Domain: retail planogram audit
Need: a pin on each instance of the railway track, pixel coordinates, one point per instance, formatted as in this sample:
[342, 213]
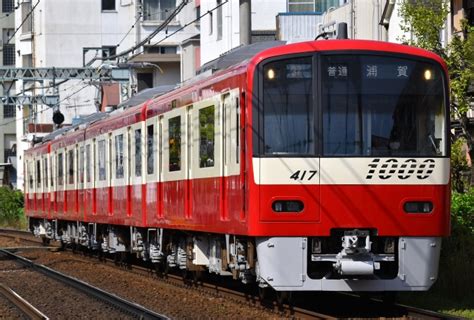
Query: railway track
[302, 308]
[130, 308]
[24, 306]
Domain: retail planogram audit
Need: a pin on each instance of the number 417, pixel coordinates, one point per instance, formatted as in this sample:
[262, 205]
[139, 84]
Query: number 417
[301, 174]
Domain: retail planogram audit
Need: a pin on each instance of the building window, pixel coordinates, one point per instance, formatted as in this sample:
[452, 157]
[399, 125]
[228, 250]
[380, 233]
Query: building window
[8, 153]
[9, 111]
[174, 143]
[108, 5]
[219, 20]
[311, 5]
[8, 54]
[108, 51]
[8, 6]
[161, 49]
[206, 137]
[145, 80]
[158, 9]
[26, 17]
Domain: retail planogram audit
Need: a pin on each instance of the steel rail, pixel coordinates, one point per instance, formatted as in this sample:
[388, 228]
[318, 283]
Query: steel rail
[122, 304]
[27, 308]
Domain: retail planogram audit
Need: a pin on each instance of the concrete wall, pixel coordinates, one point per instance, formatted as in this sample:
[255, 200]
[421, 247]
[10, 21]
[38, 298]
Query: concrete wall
[264, 14]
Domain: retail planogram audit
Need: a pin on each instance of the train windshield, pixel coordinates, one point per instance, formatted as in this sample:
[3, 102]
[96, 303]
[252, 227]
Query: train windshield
[371, 105]
[382, 106]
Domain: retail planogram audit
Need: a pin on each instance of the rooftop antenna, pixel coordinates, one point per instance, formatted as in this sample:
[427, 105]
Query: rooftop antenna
[342, 30]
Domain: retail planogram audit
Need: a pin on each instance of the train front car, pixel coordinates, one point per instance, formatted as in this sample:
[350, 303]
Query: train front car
[350, 166]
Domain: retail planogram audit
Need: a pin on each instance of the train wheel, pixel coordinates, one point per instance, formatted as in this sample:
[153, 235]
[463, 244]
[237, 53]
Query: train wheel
[283, 297]
[187, 277]
[160, 269]
[263, 293]
[197, 276]
[45, 241]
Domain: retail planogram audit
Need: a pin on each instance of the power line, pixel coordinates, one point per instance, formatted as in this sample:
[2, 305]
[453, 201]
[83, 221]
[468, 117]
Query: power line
[24, 20]
[45, 109]
[185, 26]
[165, 23]
[131, 28]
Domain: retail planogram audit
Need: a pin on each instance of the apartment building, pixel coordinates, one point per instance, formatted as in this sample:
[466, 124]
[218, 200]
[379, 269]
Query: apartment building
[70, 33]
[8, 111]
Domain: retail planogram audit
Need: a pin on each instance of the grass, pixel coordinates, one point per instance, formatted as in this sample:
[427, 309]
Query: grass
[433, 300]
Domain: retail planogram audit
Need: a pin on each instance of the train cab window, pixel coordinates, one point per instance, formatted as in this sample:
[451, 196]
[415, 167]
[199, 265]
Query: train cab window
[60, 170]
[390, 106]
[119, 157]
[70, 167]
[101, 160]
[288, 115]
[81, 164]
[206, 137]
[174, 143]
[38, 173]
[88, 163]
[138, 152]
[150, 143]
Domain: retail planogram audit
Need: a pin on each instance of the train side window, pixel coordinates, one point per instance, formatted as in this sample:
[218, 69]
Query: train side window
[150, 142]
[60, 170]
[88, 163]
[51, 176]
[81, 164]
[119, 169]
[206, 137]
[45, 168]
[237, 131]
[38, 174]
[101, 156]
[70, 166]
[174, 143]
[138, 152]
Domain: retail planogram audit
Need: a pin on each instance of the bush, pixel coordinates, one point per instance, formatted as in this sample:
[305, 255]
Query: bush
[11, 207]
[456, 277]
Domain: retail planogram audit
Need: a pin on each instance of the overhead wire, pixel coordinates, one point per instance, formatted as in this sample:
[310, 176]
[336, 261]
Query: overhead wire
[162, 26]
[185, 26]
[24, 20]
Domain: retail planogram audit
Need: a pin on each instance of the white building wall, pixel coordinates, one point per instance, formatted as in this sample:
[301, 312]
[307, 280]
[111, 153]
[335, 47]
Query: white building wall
[264, 14]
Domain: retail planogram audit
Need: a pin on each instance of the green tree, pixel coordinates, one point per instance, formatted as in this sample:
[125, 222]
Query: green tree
[11, 206]
[425, 20]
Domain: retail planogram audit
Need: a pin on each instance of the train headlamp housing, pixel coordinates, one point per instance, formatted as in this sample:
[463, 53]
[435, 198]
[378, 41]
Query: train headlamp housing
[287, 206]
[418, 207]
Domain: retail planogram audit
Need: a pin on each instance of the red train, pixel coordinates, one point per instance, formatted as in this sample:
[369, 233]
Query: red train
[312, 166]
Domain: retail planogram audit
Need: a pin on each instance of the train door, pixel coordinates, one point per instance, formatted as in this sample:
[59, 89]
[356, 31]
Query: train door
[232, 196]
[119, 173]
[81, 193]
[137, 175]
[38, 185]
[150, 169]
[286, 162]
[207, 169]
[175, 186]
[89, 198]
